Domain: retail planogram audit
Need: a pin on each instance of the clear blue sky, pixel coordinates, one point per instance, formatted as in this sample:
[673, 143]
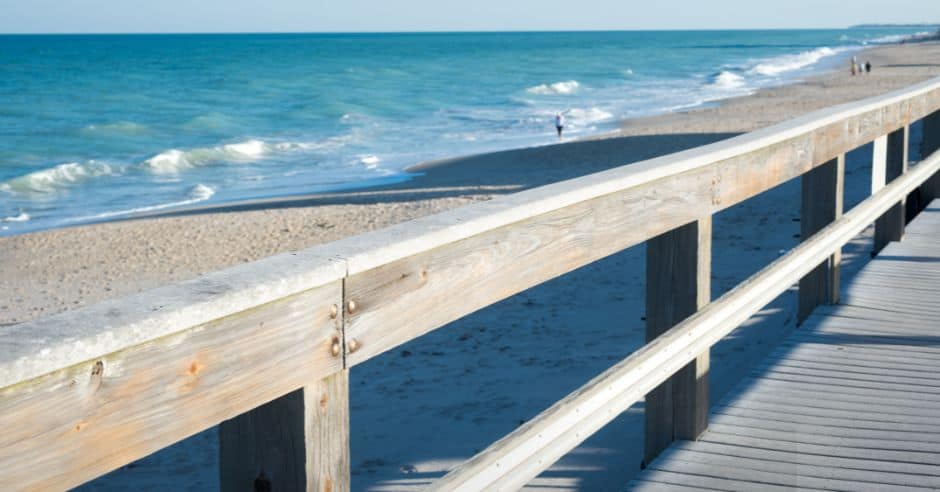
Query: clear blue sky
[19, 16]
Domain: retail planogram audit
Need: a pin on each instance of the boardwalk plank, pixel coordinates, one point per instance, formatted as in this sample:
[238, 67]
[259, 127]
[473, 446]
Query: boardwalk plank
[686, 463]
[849, 401]
[810, 459]
[812, 475]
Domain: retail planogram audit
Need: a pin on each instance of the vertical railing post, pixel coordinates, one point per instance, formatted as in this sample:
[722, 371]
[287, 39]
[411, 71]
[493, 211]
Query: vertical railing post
[918, 199]
[930, 143]
[678, 283]
[890, 226]
[822, 198]
[297, 442]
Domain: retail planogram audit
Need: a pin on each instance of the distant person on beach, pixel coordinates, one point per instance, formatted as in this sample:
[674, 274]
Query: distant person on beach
[559, 123]
[867, 66]
[854, 65]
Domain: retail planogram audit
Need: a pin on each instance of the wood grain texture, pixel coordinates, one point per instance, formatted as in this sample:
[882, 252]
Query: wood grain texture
[848, 402]
[517, 458]
[327, 434]
[879, 163]
[890, 226]
[675, 189]
[94, 381]
[297, 442]
[822, 198]
[930, 142]
[417, 277]
[76, 424]
[678, 283]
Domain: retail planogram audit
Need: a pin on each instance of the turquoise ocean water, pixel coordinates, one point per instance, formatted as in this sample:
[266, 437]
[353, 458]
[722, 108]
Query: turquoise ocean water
[100, 127]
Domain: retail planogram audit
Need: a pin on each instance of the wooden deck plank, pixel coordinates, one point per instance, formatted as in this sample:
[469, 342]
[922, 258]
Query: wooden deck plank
[911, 449]
[857, 351]
[835, 419]
[828, 450]
[647, 486]
[772, 455]
[873, 414]
[828, 429]
[808, 475]
[707, 482]
[847, 402]
[686, 462]
[869, 313]
[828, 399]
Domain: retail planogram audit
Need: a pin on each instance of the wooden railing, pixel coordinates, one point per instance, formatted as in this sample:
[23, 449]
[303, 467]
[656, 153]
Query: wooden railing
[264, 349]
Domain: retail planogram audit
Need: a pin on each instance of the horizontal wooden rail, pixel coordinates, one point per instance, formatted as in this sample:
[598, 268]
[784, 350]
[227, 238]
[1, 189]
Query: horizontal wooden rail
[92, 389]
[519, 457]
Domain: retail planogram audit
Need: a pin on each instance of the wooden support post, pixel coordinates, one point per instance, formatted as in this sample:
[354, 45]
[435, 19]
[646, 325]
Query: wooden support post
[929, 144]
[822, 199]
[297, 442]
[678, 283]
[890, 226]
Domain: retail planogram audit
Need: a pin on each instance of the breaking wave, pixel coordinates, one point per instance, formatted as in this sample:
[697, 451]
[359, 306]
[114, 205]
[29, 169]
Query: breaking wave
[899, 38]
[370, 161]
[727, 80]
[587, 116]
[174, 160]
[558, 88]
[788, 63]
[22, 217]
[55, 178]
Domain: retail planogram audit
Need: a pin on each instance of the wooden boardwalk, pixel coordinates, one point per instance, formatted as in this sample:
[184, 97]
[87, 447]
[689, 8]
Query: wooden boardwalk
[850, 401]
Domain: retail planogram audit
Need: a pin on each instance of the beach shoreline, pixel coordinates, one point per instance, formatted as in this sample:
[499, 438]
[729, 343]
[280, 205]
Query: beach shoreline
[553, 343]
[52, 197]
[429, 175]
[43, 279]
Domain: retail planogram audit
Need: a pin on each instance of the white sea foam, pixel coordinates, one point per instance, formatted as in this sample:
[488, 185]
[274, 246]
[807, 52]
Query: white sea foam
[788, 63]
[201, 192]
[370, 161]
[558, 88]
[250, 148]
[727, 80]
[198, 193]
[587, 116]
[21, 217]
[54, 178]
[175, 160]
[898, 38]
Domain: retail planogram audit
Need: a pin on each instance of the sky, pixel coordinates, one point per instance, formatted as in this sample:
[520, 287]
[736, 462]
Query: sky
[131, 16]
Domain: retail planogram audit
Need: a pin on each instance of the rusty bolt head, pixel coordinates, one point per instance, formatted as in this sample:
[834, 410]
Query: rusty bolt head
[351, 307]
[336, 348]
[334, 311]
[354, 345]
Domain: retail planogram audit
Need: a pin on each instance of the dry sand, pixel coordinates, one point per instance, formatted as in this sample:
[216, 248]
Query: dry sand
[424, 407]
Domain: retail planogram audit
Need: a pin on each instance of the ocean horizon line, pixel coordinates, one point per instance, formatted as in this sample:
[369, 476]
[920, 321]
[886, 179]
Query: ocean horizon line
[211, 118]
[468, 31]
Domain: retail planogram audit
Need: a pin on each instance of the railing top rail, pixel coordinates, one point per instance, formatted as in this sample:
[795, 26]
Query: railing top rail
[39, 347]
[514, 460]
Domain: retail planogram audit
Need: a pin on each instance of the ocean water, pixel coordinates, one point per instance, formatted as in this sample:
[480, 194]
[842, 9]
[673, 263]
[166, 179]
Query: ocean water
[101, 127]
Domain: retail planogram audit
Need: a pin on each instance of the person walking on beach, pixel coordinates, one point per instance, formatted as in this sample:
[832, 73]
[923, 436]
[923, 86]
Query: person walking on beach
[559, 123]
[854, 65]
[867, 66]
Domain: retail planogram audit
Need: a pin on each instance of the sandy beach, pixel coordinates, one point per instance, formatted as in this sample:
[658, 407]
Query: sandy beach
[425, 407]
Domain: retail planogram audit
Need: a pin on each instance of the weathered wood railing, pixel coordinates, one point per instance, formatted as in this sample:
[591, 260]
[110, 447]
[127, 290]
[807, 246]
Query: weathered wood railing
[264, 349]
